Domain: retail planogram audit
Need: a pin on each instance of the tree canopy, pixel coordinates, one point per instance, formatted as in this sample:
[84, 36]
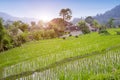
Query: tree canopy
[66, 14]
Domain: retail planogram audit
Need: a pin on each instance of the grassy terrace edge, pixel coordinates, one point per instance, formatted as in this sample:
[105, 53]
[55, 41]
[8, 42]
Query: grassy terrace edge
[58, 63]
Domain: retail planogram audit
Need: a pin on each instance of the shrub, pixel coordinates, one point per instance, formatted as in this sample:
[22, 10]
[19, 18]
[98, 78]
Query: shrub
[64, 38]
[118, 32]
[70, 35]
[17, 41]
[76, 36]
[37, 35]
[104, 31]
[52, 33]
[7, 42]
[118, 26]
[84, 28]
[24, 37]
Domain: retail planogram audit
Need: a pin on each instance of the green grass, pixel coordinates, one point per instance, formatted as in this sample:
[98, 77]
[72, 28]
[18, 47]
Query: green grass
[99, 67]
[35, 55]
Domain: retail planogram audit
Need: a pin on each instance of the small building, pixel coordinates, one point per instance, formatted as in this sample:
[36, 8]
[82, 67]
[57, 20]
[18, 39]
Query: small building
[73, 30]
[92, 28]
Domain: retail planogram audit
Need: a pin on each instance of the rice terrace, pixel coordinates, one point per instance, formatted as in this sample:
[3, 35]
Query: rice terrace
[60, 46]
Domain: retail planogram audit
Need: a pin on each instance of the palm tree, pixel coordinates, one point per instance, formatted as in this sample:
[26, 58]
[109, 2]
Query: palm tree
[66, 14]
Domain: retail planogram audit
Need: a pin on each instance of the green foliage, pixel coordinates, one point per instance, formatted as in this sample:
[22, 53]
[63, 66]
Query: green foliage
[118, 32]
[98, 55]
[44, 34]
[13, 30]
[118, 26]
[37, 35]
[102, 27]
[24, 37]
[33, 24]
[58, 24]
[17, 23]
[66, 14]
[104, 32]
[16, 36]
[89, 19]
[23, 27]
[18, 40]
[95, 24]
[110, 23]
[76, 36]
[40, 24]
[84, 27]
[52, 33]
[5, 40]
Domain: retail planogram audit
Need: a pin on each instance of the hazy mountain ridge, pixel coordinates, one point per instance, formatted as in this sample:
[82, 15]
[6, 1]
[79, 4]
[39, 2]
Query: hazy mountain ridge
[104, 18]
[113, 13]
[101, 18]
[7, 17]
[76, 20]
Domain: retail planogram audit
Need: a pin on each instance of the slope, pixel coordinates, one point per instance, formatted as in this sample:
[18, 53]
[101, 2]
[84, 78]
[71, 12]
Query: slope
[113, 13]
[35, 55]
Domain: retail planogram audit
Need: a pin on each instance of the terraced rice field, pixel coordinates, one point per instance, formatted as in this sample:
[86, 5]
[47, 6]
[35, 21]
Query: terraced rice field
[89, 56]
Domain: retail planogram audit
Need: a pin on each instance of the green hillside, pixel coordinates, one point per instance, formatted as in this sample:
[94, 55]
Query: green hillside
[91, 56]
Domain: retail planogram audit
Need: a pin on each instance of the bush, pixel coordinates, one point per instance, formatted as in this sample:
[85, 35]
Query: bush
[7, 43]
[118, 26]
[52, 33]
[64, 38]
[24, 37]
[70, 35]
[17, 41]
[118, 32]
[5, 40]
[104, 31]
[37, 35]
[76, 36]
[84, 28]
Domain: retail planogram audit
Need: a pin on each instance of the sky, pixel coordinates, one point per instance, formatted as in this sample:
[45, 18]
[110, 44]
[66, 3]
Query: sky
[48, 9]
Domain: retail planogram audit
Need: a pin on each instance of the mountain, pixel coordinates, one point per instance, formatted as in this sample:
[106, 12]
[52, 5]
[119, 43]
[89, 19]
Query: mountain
[7, 17]
[113, 13]
[76, 20]
[104, 18]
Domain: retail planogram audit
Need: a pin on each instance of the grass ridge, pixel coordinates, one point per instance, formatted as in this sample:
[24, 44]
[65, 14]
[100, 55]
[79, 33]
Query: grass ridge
[66, 60]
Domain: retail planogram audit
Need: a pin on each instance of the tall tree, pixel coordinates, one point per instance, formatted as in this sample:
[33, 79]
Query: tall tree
[110, 23]
[95, 24]
[84, 28]
[89, 19]
[2, 33]
[40, 24]
[58, 24]
[4, 37]
[17, 23]
[66, 14]
[33, 24]
[23, 27]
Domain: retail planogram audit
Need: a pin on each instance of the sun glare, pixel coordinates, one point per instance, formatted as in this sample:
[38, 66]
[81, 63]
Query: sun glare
[45, 18]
